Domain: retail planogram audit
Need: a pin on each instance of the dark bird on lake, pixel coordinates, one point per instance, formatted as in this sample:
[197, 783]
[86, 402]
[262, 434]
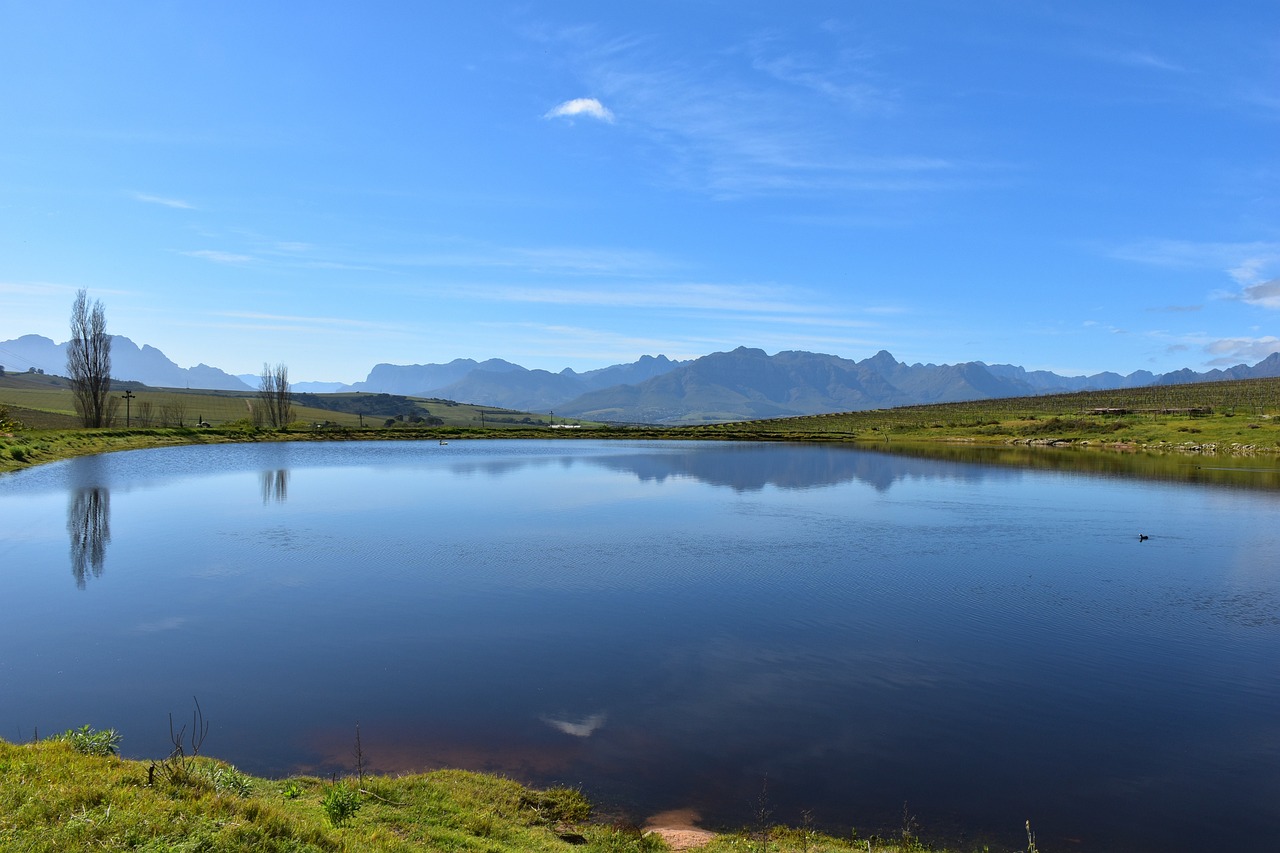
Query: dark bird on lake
[1142, 537]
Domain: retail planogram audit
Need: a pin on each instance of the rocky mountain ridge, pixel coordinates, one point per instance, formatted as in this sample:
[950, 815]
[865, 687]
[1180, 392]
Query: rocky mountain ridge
[745, 383]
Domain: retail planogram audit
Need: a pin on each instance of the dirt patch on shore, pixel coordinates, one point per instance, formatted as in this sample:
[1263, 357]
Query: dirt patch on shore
[677, 828]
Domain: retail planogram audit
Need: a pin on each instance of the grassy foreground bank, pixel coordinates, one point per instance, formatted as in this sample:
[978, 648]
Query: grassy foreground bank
[55, 797]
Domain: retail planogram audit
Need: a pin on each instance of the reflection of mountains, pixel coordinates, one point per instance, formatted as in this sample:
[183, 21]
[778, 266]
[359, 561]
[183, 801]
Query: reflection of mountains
[748, 467]
[89, 526]
[741, 466]
[751, 467]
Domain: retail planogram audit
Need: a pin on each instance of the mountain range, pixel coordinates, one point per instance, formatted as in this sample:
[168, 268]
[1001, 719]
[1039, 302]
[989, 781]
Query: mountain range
[144, 364]
[742, 384]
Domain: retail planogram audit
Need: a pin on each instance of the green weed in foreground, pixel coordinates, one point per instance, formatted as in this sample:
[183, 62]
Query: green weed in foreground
[341, 804]
[88, 741]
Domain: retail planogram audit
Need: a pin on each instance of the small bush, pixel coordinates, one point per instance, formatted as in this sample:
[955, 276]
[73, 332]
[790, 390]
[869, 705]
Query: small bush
[88, 741]
[341, 804]
[241, 425]
[228, 780]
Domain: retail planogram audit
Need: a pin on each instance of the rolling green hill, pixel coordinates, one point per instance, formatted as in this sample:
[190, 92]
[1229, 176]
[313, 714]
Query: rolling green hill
[1240, 413]
[44, 402]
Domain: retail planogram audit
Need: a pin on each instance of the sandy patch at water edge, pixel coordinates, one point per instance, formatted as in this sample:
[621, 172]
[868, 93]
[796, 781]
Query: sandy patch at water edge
[676, 827]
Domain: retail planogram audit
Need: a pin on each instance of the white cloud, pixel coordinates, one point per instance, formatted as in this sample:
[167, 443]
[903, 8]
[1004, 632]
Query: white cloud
[765, 118]
[167, 202]
[35, 288]
[581, 107]
[1231, 351]
[1266, 294]
[219, 257]
[1242, 261]
[1246, 263]
[316, 322]
[718, 298]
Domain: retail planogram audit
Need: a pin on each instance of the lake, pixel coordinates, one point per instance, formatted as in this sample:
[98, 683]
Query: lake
[673, 625]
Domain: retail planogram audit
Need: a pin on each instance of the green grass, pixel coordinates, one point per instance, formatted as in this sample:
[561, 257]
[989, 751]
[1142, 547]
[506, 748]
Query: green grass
[55, 798]
[1225, 417]
[45, 402]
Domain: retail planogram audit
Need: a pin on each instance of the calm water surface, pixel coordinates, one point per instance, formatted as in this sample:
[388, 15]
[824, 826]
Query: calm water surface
[669, 624]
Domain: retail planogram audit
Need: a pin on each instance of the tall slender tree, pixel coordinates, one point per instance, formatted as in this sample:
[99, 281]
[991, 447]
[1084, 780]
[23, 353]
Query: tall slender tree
[275, 395]
[89, 361]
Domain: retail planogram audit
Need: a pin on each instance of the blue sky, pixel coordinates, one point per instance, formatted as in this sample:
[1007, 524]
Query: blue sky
[1071, 186]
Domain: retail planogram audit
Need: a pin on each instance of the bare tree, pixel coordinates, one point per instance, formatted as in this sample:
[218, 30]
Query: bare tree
[89, 361]
[273, 391]
[173, 412]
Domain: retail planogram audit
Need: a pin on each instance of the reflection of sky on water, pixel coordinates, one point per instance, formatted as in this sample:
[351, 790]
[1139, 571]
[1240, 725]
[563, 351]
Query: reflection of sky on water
[667, 623]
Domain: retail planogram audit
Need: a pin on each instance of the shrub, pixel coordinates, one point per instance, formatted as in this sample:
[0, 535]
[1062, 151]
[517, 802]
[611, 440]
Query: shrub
[87, 741]
[228, 780]
[341, 804]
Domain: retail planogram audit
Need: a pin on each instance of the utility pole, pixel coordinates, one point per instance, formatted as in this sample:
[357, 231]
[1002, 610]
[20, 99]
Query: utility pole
[128, 398]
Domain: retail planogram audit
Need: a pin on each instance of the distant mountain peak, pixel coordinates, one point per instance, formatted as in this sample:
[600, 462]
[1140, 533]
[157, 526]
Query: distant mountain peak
[129, 363]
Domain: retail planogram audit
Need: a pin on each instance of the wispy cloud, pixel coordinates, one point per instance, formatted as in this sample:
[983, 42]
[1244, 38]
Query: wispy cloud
[544, 260]
[1248, 264]
[1232, 257]
[585, 260]
[166, 202]
[1266, 294]
[1231, 351]
[303, 323]
[720, 298]
[219, 257]
[1134, 58]
[845, 79]
[765, 118]
[35, 288]
[1223, 351]
[589, 107]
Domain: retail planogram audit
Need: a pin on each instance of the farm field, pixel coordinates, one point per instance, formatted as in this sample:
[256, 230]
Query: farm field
[1215, 416]
[45, 402]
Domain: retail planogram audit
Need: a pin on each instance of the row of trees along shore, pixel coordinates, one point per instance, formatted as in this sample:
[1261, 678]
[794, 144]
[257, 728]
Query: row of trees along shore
[89, 371]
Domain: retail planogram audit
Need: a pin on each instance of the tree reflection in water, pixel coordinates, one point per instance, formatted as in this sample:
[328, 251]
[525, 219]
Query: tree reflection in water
[275, 486]
[89, 525]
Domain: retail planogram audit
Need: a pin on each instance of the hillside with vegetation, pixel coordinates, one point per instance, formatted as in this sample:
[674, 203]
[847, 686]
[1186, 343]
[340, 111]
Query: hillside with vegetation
[1230, 416]
[45, 401]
